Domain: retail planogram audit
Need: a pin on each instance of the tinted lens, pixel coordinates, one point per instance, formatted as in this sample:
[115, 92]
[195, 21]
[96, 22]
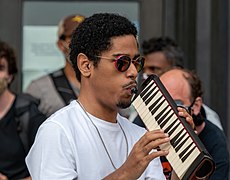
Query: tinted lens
[122, 63]
[139, 63]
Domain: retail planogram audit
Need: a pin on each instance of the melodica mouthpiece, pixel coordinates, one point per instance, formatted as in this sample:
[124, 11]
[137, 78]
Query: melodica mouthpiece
[134, 90]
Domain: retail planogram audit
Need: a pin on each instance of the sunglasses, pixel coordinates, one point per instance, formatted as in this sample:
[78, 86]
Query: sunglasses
[122, 62]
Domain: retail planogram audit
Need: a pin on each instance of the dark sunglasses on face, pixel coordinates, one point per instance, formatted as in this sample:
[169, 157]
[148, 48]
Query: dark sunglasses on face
[122, 62]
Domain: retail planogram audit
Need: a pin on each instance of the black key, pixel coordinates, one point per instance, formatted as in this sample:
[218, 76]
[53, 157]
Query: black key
[163, 118]
[170, 132]
[162, 125]
[154, 103]
[181, 144]
[162, 111]
[153, 111]
[142, 94]
[188, 153]
[171, 125]
[173, 140]
[151, 96]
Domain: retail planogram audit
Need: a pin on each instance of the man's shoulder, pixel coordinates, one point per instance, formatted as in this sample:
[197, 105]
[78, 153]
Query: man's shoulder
[210, 112]
[212, 133]
[24, 100]
[25, 103]
[57, 73]
[67, 120]
[47, 79]
[213, 128]
[64, 113]
[39, 82]
[28, 118]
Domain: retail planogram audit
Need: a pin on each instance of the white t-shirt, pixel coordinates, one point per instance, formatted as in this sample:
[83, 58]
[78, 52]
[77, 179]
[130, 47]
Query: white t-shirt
[68, 146]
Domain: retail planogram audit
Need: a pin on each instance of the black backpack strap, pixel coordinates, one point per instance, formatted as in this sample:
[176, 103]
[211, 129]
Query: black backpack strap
[22, 117]
[63, 86]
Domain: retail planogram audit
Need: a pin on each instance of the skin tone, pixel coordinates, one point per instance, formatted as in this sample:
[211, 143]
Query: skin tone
[6, 99]
[2, 177]
[156, 63]
[116, 87]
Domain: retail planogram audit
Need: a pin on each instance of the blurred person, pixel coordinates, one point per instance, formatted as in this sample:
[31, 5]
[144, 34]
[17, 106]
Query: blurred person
[161, 54]
[88, 139]
[185, 87]
[58, 88]
[19, 120]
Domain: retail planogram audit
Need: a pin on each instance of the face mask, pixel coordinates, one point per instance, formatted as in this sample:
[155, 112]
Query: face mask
[198, 119]
[3, 85]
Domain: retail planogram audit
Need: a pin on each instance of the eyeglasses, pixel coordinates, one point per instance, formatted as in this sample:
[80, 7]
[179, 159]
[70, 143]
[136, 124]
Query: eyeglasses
[122, 62]
[179, 103]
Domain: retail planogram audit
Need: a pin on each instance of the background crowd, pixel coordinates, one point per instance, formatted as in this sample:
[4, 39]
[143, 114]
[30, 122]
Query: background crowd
[22, 114]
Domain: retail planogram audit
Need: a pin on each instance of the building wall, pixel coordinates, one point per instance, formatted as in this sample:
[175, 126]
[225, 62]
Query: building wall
[10, 31]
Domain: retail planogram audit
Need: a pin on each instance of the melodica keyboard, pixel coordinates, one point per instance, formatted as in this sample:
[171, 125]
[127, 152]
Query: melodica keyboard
[187, 155]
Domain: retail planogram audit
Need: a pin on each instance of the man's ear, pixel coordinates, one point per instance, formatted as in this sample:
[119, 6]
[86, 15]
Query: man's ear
[197, 105]
[84, 65]
[62, 45]
[59, 45]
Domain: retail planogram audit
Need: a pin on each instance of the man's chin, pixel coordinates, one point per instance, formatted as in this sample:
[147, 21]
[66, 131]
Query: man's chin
[124, 104]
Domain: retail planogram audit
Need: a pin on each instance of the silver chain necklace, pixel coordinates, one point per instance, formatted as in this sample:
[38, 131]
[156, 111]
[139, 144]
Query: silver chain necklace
[99, 134]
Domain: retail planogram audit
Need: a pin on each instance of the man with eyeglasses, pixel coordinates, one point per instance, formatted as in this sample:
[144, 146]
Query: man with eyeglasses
[88, 139]
[58, 88]
[161, 54]
[186, 89]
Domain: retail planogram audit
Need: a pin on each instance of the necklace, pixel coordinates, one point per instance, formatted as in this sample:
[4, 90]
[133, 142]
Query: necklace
[99, 134]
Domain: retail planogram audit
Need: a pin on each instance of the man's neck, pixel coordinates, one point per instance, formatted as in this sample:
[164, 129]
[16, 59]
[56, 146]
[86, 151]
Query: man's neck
[97, 109]
[6, 101]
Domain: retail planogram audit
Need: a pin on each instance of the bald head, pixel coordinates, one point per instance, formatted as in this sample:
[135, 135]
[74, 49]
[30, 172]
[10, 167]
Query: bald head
[177, 85]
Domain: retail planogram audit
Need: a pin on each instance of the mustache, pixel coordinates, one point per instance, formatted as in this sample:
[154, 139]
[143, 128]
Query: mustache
[130, 84]
[133, 85]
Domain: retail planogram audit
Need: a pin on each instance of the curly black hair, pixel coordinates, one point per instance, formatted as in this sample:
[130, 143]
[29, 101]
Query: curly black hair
[93, 36]
[8, 53]
[166, 45]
